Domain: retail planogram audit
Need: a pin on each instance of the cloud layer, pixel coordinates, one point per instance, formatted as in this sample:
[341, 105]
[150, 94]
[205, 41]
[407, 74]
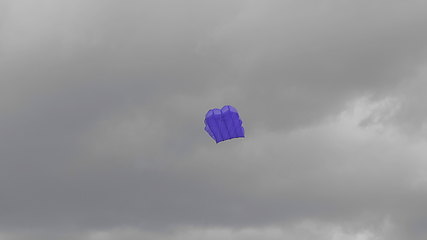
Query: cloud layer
[102, 106]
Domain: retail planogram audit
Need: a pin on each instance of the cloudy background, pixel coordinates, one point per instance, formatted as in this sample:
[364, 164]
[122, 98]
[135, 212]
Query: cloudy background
[102, 105]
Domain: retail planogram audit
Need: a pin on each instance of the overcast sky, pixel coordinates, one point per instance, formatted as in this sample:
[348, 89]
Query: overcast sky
[102, 105]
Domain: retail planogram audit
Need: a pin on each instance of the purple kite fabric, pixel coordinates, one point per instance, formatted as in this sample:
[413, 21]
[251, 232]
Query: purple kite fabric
[223, 124]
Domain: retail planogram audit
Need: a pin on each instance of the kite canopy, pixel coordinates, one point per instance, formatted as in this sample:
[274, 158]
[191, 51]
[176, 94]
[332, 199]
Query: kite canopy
[224, 124]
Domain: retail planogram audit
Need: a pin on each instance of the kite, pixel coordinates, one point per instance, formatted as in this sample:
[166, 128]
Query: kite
[223, 124]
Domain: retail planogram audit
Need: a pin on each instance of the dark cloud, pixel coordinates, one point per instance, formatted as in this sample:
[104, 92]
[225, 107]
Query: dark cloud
[101, 119]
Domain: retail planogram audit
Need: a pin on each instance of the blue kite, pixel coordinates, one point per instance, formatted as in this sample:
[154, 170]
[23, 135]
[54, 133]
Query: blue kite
[223, 124]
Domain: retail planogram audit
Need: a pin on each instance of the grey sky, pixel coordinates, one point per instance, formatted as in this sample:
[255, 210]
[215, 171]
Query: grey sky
[102, 106]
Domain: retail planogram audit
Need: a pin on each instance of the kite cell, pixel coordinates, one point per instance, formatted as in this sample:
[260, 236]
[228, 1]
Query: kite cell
[223, 124]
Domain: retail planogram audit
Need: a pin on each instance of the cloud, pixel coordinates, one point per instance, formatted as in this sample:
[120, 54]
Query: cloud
[301, 230]
[102, 106]
[305, 59]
